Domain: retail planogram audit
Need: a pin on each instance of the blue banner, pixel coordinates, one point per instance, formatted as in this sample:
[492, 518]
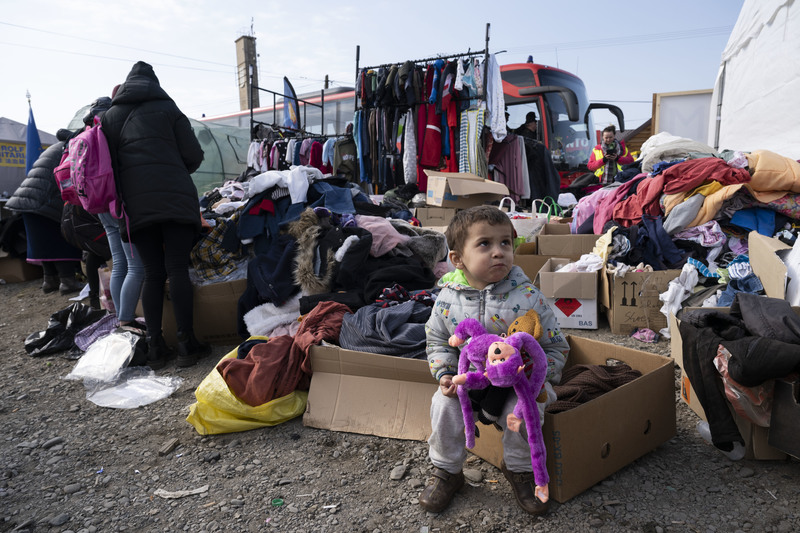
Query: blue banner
[33, 145]
[291, 108]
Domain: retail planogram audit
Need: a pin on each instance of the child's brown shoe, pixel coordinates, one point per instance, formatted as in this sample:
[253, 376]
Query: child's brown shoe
[439, 493]
[524, 487]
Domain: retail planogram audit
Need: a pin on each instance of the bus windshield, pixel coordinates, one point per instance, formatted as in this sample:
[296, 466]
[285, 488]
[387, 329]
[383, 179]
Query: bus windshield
[568, 144]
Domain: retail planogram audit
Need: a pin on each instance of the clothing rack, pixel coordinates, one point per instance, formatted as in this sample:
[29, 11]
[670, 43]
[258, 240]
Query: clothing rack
[275, 95]
[468, 53]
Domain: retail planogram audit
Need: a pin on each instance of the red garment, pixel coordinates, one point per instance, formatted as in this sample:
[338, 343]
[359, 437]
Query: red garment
[429, 144]
[647, 200]
[282, 365]
[691, 174]
[315, 155]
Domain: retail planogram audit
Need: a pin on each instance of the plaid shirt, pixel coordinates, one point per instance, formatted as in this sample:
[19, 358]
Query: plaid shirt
[209, 258]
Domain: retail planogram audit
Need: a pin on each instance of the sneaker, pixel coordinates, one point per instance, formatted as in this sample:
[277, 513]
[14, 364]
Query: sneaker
[50, 284]
[439, 493]
[524, 487]
[70, 285]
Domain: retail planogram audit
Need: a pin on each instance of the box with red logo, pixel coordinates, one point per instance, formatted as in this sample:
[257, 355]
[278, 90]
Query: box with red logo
[571, 295]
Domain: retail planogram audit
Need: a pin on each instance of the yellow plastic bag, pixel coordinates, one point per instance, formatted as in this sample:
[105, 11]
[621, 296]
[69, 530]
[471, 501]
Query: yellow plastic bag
[218, 410]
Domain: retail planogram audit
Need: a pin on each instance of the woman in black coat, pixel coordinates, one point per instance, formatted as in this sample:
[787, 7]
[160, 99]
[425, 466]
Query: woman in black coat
[154, 152]
[39, 200]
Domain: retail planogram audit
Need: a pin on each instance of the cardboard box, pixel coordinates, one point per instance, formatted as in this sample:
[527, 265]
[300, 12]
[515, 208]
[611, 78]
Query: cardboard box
[556, 240]
[16, 270]
[572, 295]
[756, 438]
[215, 312]
[527, 258]
[784, 429]
[369, 394]
[390, 397]
[434, 216]
[461, 189]
[590, 442]
[632, 301]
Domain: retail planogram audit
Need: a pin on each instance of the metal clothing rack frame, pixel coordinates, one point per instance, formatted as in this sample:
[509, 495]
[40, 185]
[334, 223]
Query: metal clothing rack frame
[275, 95]
[468, 53]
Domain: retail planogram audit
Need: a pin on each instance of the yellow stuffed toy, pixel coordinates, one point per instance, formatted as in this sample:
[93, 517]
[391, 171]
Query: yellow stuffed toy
[531, 324]
[528, 323]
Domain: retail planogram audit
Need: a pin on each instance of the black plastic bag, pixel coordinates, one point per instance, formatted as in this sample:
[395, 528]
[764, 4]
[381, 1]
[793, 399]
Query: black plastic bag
[61, 329]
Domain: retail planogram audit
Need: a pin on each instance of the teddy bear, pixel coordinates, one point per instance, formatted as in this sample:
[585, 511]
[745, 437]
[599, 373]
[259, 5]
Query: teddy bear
[498, 361]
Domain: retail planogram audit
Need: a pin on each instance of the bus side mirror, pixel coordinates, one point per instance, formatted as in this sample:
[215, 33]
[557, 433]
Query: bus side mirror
[616, 111]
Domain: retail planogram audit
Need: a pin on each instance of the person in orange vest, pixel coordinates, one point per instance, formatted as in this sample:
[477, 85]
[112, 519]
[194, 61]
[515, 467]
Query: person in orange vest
[608, 157]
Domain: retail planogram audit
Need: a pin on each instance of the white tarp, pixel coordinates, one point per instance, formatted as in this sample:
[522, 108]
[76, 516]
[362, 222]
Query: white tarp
[756, 93]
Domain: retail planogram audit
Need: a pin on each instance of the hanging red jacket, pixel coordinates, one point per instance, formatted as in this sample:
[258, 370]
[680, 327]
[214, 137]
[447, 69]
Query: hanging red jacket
[430, 142]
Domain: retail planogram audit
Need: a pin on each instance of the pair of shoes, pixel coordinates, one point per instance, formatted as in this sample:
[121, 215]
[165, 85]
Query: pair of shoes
[158, 353]
[190, 349]
[524, 487]
[70, 285]
[439, 493]
[50, 284]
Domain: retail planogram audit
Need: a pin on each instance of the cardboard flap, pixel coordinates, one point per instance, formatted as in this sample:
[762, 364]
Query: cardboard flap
[767, 265]
[566, 245]
[369, 394]
[466, 187]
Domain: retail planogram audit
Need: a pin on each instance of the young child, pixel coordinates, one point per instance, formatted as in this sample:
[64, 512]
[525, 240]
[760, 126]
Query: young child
[485, 286]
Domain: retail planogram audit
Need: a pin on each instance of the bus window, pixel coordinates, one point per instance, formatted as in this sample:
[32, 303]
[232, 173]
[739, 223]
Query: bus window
[516, 115]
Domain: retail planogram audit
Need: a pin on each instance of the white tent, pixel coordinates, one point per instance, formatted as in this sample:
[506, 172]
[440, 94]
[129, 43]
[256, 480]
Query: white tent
[13, 136]
[755, 96]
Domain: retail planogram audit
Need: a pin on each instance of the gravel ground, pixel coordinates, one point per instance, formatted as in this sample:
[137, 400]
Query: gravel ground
[68, 465]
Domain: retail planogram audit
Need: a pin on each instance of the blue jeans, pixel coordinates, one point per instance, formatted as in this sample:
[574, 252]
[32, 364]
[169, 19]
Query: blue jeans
[127, 272]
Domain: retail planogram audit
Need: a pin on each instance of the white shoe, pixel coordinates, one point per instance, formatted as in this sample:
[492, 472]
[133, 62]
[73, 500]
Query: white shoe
[736, 454]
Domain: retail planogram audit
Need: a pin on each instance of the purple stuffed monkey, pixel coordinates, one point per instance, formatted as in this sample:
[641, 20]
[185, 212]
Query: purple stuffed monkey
[504, 368]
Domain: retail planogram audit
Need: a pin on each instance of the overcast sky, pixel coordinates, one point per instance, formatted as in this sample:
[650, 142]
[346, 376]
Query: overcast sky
[68, 53]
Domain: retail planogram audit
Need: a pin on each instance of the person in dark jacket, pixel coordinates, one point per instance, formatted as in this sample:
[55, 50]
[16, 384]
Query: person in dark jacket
[39, 200]
[154, 152]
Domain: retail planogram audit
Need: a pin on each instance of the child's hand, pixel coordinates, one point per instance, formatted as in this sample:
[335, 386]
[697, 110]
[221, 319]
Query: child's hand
[448, 387]
[513, 423]
[454, 341]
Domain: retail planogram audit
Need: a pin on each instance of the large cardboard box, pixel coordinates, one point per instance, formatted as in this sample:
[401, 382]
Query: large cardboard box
[434, 216]
[461, 189]
[369, 394]
[756, 437]
[590, 442]
[16, 270]
[215, 312]
[389, 396]
[572, 295]
[784, 428]
[632, 301]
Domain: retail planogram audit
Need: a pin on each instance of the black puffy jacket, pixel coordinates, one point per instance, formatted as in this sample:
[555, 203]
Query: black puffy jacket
[38, 193]
[154, 151]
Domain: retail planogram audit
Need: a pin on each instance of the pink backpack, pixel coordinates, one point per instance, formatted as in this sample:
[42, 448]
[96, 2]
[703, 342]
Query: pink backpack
[85, 175]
